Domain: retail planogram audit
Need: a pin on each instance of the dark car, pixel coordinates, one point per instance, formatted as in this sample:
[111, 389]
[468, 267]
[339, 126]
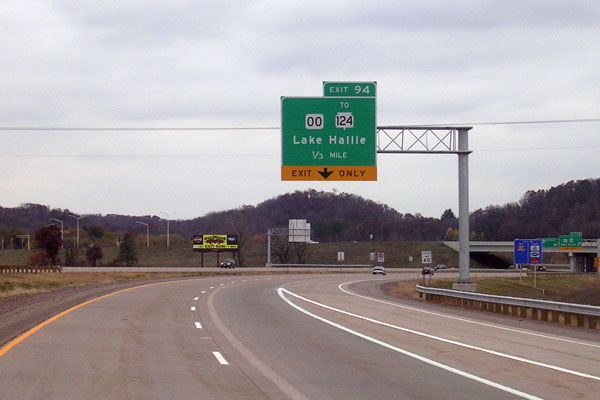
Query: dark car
[426, 271]
[228, 263]
[540, 268]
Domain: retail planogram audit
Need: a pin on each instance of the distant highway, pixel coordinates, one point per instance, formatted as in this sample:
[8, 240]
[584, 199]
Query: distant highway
[293, 336]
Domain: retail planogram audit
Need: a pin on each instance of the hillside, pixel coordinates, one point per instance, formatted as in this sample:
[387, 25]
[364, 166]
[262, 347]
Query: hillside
[335, 217]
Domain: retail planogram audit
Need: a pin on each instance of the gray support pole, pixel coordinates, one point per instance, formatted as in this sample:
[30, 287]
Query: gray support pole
[268, 248]
[597, 255]
[463, 207]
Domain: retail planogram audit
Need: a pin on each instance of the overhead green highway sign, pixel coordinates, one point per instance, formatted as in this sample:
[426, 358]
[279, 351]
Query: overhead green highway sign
[331, 137]
[328, 138]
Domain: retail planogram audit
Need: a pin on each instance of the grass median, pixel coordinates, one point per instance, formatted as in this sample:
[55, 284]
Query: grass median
[578, 289]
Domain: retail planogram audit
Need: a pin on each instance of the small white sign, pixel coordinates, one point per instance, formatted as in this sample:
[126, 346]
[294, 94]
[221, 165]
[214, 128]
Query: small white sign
[340, 256]
[426, 257]
[380, 257]
[371, 256]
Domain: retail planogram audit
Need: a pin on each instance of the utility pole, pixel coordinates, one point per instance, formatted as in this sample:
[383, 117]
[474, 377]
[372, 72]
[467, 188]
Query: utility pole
[77, 217]
[162, 212]
[147, 232]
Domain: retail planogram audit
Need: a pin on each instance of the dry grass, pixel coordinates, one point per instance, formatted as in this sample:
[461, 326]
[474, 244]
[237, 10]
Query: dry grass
[579, 289]
[15, 284]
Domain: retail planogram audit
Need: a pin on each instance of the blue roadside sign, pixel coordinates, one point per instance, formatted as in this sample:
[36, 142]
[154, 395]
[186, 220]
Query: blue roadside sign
[528, 251]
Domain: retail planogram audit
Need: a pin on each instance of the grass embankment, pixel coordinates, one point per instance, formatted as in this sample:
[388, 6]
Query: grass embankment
[579, 289]
[16, 284]
[397, 254]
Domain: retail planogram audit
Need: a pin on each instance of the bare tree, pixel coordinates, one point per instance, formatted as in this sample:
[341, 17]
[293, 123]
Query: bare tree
[48, 239]
[71, 252]
[281, 248]
[302, 252]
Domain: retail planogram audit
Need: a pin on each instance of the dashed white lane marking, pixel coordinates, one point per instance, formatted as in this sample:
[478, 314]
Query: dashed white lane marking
[204, 291]
[212, 287]
[232, 281]
[476, 378]
[222, 284]
[256, 279]
[244, 280]
[341, 287]
[193, 308]
[195, 298]
[198, 325]
[220, 358]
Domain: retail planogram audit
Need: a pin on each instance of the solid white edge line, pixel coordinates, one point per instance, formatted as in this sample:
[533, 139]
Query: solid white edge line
[220, 358]
[198, 325]
[448, 368]
[340, 286]
[454, 342]
[193, 308]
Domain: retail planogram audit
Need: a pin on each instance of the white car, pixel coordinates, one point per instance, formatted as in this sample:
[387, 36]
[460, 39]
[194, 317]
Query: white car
[379, 270]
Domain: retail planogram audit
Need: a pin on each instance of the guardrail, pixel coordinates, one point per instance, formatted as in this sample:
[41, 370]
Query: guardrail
[322, 265]
[18, 269]
[553, 311]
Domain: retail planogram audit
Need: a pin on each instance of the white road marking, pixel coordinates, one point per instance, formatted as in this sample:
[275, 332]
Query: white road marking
[222, 284]
[449, 341]
[198, 325]
[193, 308]
[232, 281]
[244, 280]
[476, 378]
[212, 287]
[220, 358]
[204, 291]
[341, 287]
[195, 298]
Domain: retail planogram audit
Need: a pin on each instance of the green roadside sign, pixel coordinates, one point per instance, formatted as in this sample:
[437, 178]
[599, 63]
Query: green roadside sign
[570, 242]
[549, 243]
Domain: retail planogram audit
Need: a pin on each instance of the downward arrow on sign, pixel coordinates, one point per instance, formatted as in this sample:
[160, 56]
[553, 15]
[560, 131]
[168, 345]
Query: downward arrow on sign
[325, 174]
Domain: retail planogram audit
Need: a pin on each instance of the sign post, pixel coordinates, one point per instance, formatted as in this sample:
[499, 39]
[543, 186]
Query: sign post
[528, 252]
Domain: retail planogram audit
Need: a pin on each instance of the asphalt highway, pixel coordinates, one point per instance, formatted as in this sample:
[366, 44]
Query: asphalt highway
[293, 336]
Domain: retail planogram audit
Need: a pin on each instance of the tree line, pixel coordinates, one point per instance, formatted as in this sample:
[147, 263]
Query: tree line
[338, 216]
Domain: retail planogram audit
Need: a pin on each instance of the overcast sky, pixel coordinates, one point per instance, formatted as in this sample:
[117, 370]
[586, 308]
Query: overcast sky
[226, 64]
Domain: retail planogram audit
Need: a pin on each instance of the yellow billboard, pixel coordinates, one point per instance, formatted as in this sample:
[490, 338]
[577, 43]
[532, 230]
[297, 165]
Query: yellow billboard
[210, 242]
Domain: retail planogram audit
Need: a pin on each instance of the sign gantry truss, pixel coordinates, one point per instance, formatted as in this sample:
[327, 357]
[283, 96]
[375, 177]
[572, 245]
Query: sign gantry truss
[419, 139]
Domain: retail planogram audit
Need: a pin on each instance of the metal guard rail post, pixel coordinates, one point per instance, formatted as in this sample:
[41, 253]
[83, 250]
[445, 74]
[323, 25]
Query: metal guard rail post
[568, 313]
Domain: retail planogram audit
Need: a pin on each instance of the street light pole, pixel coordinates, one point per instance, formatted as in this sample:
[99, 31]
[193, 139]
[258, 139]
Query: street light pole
[162, 212]
[77, 217]
[147, 232]
[62, 231]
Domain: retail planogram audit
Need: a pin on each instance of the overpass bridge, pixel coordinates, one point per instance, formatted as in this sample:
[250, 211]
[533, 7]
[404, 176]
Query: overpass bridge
[580, 260]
